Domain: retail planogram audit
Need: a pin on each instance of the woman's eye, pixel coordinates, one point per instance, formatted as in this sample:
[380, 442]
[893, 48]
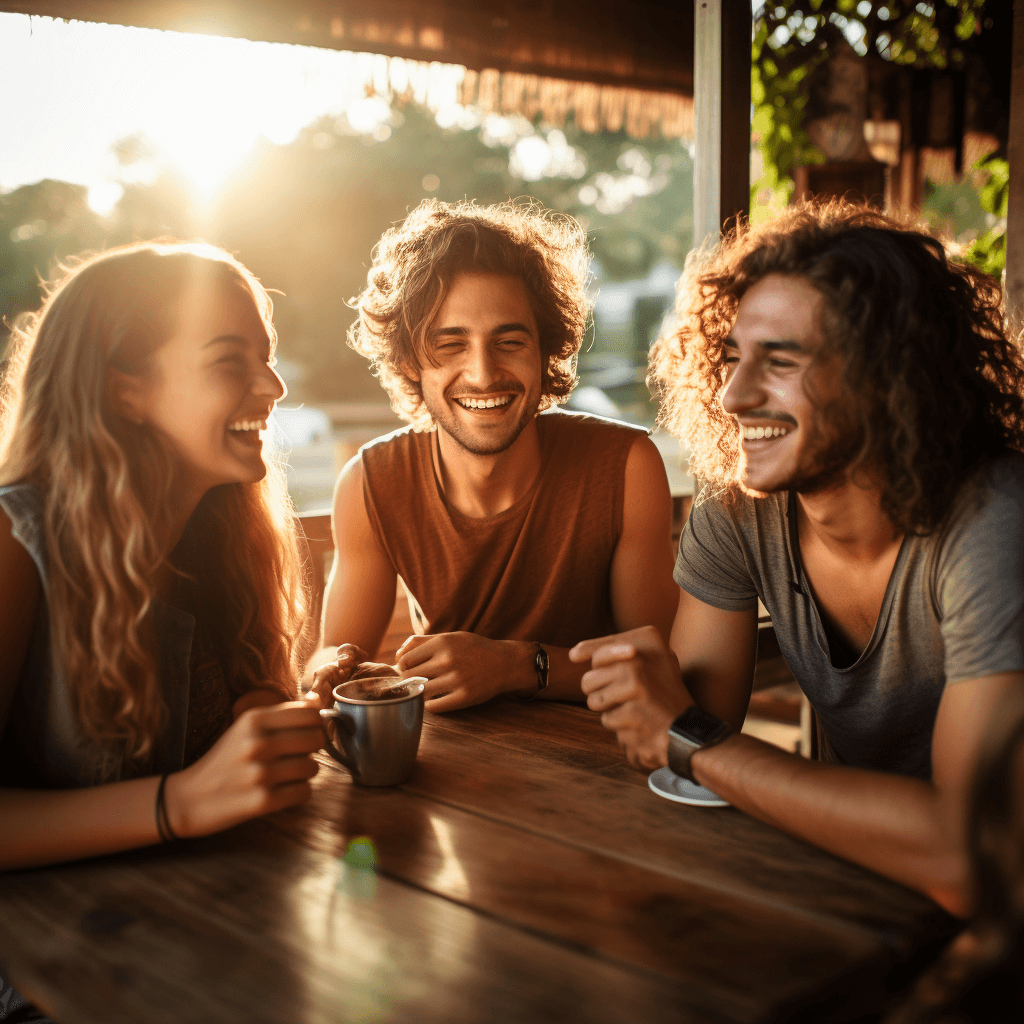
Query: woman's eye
[781, 363]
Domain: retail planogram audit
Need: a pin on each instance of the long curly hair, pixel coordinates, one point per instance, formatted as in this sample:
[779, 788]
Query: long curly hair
[414, 266]
[937, 378]
[107, 485]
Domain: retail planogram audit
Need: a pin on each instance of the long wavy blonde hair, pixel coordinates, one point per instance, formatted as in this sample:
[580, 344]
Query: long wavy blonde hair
[108, 484]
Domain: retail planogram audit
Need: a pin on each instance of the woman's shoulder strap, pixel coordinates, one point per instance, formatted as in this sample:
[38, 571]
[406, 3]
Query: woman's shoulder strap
[24, 505]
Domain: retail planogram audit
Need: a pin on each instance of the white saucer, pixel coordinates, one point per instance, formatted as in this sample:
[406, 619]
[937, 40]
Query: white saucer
[666, 783]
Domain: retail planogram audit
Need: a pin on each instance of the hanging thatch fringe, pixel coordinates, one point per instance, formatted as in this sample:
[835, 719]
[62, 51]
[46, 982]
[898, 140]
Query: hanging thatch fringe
[594, 107]
[639, 51]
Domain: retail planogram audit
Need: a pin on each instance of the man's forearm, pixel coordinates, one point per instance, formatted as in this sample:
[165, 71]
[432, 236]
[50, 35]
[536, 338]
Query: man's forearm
[891, 824]
[563, 675]
[320, 657]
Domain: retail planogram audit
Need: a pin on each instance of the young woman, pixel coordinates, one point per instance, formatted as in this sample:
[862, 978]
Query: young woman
[150, 586]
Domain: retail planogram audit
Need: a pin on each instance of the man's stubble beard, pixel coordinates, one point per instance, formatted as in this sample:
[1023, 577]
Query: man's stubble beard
[443, 420]
[829, 456]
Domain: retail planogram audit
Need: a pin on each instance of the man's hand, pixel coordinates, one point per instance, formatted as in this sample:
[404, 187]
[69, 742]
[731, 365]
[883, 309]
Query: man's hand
[464, 669]
[328, 676]
[634, 681]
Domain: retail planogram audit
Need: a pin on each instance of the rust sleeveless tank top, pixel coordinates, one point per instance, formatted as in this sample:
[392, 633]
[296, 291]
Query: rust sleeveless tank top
[538, 571]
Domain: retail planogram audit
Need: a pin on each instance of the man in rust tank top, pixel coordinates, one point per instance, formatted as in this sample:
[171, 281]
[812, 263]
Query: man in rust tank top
[515, 534]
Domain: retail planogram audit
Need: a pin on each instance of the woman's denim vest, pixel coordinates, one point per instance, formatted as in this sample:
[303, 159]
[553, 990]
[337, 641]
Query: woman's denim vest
[41, 745]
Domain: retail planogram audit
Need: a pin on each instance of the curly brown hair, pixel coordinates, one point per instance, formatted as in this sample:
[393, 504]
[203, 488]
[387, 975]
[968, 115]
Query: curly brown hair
[413, 268]
[937, 376]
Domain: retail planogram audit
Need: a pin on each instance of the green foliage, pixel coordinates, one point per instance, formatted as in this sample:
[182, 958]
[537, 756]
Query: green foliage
[40, 225]
[45, 224]
[989, 251]
[779, 100]
[791, 37]
[953, 211]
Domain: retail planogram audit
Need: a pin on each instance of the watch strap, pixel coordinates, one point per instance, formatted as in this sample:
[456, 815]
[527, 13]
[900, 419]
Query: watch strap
[542, 667]
[695, 729]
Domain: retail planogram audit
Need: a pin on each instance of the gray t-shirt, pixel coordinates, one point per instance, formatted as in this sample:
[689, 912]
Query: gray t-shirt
[953, 610]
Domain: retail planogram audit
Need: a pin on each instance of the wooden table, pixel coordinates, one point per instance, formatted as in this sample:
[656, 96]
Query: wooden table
[524, 873]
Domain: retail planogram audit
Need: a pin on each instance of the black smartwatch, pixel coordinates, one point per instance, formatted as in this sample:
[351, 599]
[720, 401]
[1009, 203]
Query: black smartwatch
[693, 730]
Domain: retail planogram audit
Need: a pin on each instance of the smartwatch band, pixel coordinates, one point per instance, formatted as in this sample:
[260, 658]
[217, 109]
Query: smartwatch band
[693, 730]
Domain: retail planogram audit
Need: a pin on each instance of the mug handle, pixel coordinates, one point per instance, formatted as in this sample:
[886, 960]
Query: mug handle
[338, 755]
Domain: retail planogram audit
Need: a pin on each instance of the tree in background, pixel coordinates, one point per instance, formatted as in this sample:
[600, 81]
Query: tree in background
[305, 216]
[792, 39]
[40, 224]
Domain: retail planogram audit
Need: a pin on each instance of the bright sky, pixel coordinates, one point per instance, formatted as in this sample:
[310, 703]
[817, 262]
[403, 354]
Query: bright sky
[70, 90]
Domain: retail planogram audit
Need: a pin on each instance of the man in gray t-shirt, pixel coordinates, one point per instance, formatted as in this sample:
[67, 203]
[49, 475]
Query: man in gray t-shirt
[856, 408]
[953, 610]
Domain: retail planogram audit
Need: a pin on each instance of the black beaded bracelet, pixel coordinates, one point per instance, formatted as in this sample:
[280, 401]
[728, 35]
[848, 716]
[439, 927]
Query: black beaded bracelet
[163, 822]
[541, 666]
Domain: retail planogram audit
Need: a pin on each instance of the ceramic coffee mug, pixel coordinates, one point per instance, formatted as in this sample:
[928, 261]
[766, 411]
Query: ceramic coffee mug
[373, 729]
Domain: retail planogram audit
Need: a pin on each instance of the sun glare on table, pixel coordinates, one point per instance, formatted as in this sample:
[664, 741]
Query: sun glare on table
[204, 102]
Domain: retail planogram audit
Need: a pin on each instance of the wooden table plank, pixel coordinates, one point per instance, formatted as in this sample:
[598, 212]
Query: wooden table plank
[525, 874]
[251, 926]
[619, 911]
[720, 848]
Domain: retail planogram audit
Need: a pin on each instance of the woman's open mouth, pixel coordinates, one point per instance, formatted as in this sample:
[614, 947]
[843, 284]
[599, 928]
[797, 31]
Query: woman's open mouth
[247, 431]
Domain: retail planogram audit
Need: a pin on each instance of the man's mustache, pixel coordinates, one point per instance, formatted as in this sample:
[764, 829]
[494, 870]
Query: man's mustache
[501, 385]
[768, 414]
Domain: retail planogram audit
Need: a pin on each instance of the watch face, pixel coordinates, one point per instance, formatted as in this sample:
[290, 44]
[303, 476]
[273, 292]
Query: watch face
[698, 726]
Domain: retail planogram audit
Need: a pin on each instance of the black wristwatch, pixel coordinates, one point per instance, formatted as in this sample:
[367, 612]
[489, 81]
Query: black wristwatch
[693, 730]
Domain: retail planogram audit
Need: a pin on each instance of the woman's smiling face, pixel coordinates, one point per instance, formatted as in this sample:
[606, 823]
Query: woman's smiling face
[209, 389]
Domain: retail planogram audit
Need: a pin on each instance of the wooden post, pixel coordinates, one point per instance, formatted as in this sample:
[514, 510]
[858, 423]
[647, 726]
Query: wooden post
[1014, 282]
[721, 101]
[707, 118]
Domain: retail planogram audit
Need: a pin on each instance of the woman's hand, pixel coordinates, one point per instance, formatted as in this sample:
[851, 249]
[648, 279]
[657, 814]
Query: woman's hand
[262, 763]
[260, 697]
[328, 676]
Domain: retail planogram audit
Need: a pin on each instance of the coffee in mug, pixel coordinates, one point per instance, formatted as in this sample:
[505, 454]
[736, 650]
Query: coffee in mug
[373, 728]
[375, 689]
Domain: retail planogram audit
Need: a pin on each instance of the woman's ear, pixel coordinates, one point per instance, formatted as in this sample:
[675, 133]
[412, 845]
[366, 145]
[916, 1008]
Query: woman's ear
[126, 395]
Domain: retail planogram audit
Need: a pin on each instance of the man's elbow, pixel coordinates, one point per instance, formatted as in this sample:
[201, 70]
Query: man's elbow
[950, 884]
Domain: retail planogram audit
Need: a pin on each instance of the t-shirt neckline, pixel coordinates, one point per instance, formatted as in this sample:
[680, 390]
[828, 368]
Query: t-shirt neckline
[820, 634]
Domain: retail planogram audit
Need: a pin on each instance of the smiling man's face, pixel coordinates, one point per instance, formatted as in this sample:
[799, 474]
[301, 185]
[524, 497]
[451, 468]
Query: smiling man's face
[787, 444]
[486, 384]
